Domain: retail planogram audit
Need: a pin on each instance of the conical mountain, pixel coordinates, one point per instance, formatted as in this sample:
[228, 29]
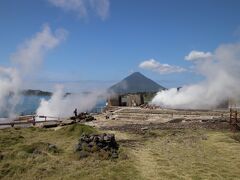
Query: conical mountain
[136, 83]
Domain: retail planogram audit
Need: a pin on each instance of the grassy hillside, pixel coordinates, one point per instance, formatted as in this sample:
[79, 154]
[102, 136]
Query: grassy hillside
[162, 154]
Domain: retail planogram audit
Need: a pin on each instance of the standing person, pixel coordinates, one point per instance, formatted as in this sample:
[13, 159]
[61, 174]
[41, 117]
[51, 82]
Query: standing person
[75, 112]
[34, 120]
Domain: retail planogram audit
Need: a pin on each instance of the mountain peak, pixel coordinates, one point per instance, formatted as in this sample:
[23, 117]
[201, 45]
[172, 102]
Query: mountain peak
[135, 83]
[136, 73]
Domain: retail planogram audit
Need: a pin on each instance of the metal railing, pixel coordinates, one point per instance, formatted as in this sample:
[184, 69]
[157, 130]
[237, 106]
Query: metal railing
[30, 119]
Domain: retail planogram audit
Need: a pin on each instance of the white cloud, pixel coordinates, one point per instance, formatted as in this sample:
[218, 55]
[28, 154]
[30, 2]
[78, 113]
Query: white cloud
[82, 7]
[155, 66]
[237, 32]
[31, 53]
[101, 7]
[198, 55]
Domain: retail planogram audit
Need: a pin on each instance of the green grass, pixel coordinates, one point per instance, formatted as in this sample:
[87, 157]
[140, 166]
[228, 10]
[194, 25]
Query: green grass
[76, 130]
[159, 154]
[190, 154]
[26, 155]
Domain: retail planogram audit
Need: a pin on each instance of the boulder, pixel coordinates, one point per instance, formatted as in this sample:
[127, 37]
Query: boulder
[98, 144]
[83, 117]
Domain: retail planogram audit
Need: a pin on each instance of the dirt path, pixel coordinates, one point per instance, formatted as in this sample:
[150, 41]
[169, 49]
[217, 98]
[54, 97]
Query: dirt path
[146, 164]
[144, 160]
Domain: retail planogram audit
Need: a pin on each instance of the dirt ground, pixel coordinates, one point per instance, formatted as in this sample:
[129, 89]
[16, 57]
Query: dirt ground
[154, 144]
[136, 119]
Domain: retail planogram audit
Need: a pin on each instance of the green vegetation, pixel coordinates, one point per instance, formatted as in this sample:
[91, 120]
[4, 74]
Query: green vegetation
[34, 153]
[190, 154]
[76, 130]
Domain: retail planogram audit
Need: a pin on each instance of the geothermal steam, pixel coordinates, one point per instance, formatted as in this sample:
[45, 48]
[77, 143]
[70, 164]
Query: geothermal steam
[10, 82]
[25, 61]
[62, 105]
[221, 71]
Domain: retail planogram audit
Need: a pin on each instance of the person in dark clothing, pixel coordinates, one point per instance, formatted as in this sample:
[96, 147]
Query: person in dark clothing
[34, 120]
[75, 112]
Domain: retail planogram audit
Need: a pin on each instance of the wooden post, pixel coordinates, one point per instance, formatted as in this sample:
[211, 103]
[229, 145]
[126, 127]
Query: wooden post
[230, 116]
[233, 121]
[235, 117]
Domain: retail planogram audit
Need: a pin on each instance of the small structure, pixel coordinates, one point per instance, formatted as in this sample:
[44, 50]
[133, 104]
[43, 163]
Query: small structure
[134, 90]
[126, 100]
[114, 100]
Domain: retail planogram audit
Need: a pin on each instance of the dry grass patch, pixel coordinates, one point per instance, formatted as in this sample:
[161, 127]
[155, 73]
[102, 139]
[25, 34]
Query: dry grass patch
[158, 154]
[34, 153]
[189, 154]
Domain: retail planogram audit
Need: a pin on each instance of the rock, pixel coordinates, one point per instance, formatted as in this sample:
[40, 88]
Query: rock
[91, 144]
[83, 117]
[78, 147]
[114, 155]
[104, 143]
[144, 128]
[105, 138]
[53, 148]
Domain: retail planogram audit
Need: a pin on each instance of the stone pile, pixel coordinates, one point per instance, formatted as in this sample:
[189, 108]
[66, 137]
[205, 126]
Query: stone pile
[104, 144]
[83, 117]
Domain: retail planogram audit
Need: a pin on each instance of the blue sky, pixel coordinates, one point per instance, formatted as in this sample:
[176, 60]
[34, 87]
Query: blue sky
[101, 48]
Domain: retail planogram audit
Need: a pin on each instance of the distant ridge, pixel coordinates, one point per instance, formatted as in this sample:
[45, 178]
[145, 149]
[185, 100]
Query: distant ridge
[135, 83]
[31, 92]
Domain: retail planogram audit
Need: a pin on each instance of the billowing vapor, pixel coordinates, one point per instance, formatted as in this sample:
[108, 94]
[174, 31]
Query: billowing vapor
[221, 72]
[31, 53]
[62, 105]
[10, 83]
[25, 61]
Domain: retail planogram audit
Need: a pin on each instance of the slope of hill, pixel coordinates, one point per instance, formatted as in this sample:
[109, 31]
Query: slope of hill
[135, 83]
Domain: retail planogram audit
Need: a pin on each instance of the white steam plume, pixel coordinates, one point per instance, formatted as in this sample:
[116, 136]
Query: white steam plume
[10, 83]
[28, 57]
[31, 53]
[221, 82]
[61, 105]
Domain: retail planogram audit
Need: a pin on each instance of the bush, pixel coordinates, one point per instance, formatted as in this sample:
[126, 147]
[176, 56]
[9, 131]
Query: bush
[77, 130]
